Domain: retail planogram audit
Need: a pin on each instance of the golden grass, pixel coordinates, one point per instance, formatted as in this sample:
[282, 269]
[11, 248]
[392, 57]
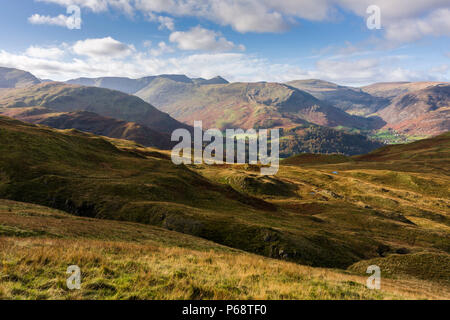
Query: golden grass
[122, 260]
[35, 269]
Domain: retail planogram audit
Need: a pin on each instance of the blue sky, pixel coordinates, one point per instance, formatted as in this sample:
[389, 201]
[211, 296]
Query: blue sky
[242, 40]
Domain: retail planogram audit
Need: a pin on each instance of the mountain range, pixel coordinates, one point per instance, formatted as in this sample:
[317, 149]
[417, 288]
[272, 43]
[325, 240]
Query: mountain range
[313, 115]
[144, 228]
[374, 108]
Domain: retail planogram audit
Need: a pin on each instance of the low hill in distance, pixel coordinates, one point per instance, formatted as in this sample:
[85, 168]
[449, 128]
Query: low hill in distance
[322, 140]
[411, 110]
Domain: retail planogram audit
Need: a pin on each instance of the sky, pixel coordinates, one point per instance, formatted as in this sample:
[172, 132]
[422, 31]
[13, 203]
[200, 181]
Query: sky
[240, 40]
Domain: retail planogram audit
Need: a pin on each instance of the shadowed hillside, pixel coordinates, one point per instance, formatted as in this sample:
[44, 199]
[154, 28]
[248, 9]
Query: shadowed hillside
[352, 100]
[93, 123]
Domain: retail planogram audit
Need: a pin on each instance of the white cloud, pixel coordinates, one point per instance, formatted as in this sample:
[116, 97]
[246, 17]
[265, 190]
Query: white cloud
[60, 20]
[198, 38]
[406, 20]
[46, 53]
[162, 49]
[436, 23]
[166, 23]
[369, 70]
[96, 5]
[101, 48]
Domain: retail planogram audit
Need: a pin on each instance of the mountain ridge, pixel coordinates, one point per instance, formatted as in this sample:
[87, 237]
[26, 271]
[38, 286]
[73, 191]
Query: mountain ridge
[14, 78]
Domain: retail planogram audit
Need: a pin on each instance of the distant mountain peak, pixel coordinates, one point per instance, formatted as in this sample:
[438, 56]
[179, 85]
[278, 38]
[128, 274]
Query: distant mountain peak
[215, 80]
[15, 78]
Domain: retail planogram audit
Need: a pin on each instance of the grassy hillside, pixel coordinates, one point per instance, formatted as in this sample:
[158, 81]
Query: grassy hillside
[121, 260]
[327, 213]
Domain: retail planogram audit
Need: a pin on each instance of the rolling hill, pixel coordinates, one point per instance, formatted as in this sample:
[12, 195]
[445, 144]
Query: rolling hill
[122, 260]
[410, 109]
[372, 110]
[318, 214]
[30, 105]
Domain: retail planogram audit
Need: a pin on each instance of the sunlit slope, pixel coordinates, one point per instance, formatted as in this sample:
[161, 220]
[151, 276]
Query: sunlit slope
[245, 105]
[122, 260]
[331, 215]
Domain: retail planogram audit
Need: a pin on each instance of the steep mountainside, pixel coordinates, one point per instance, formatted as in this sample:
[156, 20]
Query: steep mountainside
[420, 112]
[352, 100]
[14, 78]
[246, 105]
[69, 98]
[93, 123]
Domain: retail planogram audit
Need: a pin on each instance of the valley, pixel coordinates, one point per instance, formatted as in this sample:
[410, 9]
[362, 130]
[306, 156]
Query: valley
[329, 211]
[86, 178]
